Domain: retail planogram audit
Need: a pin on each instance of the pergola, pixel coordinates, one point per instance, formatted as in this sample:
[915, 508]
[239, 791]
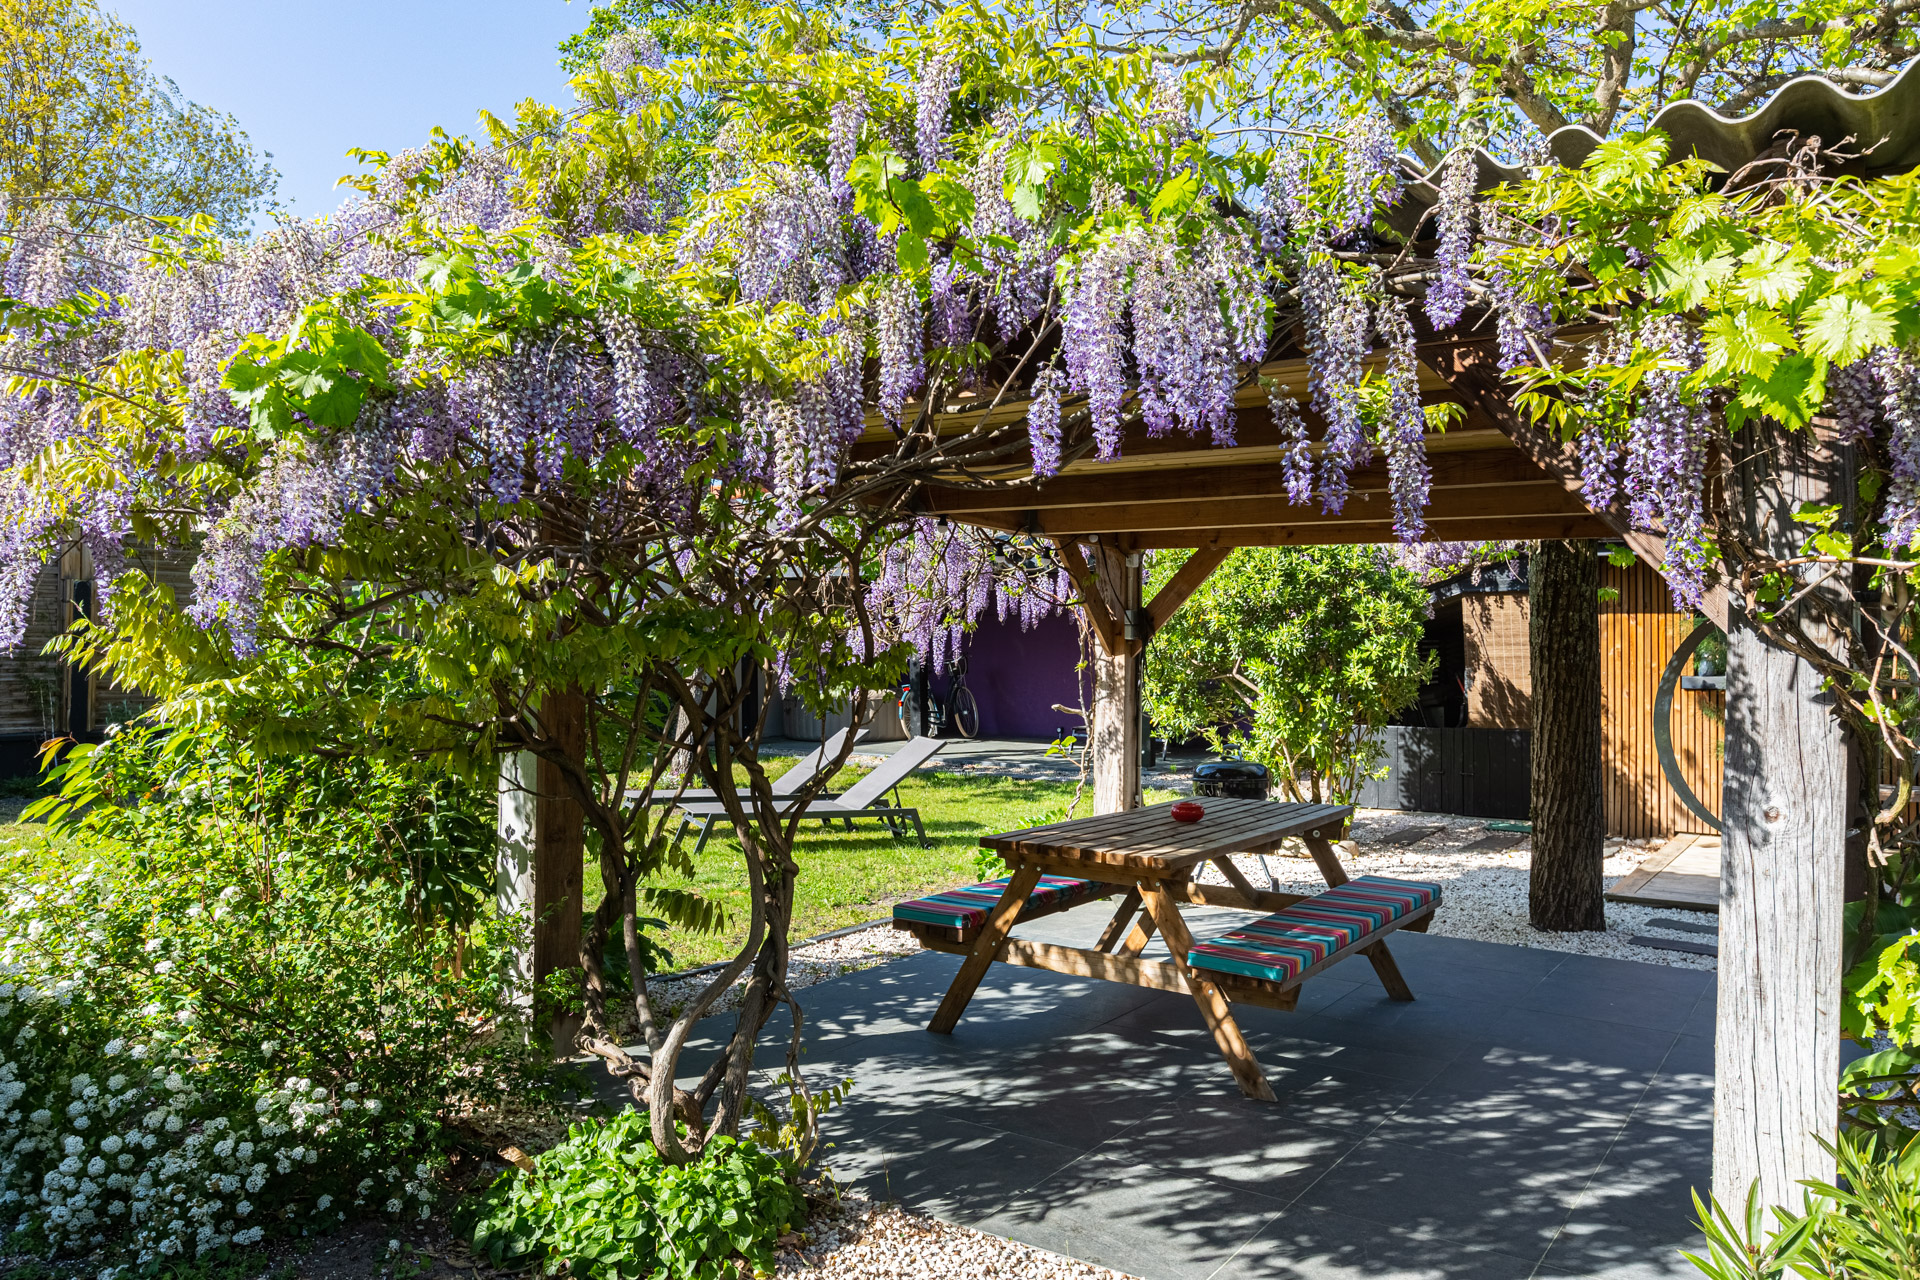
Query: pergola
[1496, 476]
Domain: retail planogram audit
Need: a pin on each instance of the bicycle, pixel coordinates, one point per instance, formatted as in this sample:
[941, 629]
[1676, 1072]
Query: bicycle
[959, 712]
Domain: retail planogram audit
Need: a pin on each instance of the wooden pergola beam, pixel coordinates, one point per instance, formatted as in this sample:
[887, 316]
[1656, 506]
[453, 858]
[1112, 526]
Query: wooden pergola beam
[1458, 529]
[1541, 497]
[1185, 581]
[1478, 468]
[1106, 628]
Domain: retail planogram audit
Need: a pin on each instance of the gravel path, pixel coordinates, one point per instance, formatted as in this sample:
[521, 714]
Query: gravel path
[860, 1240]
[1485, 890]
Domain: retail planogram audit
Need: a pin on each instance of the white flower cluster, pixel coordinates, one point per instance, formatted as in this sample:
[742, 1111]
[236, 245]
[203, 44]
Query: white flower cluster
[140, 1161]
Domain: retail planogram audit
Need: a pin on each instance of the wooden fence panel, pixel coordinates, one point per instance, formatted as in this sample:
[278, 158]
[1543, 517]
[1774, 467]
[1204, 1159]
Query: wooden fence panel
[1639, 630]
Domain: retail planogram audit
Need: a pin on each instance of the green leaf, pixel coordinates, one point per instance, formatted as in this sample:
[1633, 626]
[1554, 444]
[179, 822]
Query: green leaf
[1176, 197]
[1688, 277]
[1749, 341]
[914, 206]
[1843, 328]
[1773, 275]
[910, 250]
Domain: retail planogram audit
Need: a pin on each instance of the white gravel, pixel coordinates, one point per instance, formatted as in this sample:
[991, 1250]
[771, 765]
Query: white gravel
[1485, 891]
[857, 1239]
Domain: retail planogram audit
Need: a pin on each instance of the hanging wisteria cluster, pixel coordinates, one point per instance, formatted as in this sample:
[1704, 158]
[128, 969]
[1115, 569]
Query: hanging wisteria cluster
[1403, 425]
[938, 579]
[1186, 320]
[1664, 477]
[1877, 395]
[1453, 219]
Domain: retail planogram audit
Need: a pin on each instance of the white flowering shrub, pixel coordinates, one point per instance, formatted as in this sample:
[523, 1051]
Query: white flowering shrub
[203, 1043]
[147, 1165]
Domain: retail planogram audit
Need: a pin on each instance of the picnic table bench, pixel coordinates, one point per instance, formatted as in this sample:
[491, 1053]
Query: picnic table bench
[1150, 860]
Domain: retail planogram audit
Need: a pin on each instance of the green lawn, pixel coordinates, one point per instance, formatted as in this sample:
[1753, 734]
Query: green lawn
[848, 878]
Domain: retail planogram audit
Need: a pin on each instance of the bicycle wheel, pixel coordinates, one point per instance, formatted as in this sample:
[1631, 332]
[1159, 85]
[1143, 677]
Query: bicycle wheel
[964, 714]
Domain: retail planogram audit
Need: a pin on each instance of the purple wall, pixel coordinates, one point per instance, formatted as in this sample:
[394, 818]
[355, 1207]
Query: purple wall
[1016, 676]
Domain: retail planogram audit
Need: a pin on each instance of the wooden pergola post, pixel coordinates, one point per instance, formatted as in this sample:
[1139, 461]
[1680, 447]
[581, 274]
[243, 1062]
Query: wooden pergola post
[541, 859]
[1785, 809]
[1109, 586]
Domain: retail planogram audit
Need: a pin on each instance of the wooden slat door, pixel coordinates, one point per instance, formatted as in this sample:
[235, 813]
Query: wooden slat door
[1639, 631]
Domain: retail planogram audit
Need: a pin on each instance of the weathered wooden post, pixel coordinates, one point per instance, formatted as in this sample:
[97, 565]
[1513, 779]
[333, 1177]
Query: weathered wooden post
[1785, 807]
[540, 859]
[513, 863]
[1115, 732]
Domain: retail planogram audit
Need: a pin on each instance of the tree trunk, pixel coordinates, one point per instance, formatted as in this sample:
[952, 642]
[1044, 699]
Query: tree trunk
[558, 857]
[1783, 842]
[1114, 736]
[1565, 891]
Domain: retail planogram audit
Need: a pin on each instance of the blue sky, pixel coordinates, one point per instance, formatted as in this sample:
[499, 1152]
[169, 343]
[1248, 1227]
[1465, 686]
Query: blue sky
[309, 80]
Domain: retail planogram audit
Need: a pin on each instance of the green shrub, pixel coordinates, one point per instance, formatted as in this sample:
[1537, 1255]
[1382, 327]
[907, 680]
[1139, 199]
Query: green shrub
[1863, 1226]
[604, 1203]
[212, 1029]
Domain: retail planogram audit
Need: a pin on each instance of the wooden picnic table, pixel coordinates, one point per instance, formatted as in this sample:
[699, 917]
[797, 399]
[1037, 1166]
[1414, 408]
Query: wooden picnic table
[1150, 860]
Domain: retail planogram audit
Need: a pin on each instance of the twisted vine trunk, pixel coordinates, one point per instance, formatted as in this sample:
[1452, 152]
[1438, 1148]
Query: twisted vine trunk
[1566, 892]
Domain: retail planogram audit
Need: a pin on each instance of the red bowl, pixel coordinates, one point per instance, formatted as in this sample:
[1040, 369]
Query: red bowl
[1187, 811]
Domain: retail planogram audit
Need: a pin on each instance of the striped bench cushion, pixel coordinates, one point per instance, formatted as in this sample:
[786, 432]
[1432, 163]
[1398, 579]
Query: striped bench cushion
[1281, 946]
[967, 908]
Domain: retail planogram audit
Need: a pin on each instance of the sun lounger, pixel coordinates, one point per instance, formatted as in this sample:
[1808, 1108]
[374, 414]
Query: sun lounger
[784, 785]
[864, 799]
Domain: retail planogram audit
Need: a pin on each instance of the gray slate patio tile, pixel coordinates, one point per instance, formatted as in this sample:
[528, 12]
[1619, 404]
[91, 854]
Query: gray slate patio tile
[1417, 949]
[1149, 1221]
[1508, 1196]
[941, 1163]
[1464, 981]
[1612, 991]
[1638, 1201]
[1664, 1266]
[1439, 1018]
[1324, 1244]
[1504, 1099]
[1700, 1021]
[1562, 1035]
[1278, 1151]
[1298, 1044]
[1334, 1092]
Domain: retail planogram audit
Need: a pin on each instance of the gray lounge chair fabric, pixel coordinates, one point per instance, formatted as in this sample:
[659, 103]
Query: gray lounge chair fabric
[864, 799]
[784, 785]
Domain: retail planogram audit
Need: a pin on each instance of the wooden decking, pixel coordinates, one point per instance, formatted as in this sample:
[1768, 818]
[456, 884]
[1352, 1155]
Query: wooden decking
[1684, 873]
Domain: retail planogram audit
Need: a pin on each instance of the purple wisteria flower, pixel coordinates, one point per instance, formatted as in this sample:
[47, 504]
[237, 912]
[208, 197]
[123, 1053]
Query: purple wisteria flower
[1403, 426]
[1898, 379]
[1043, 422]
[1665, 444]
[1338, 333]
[932, 101]
[1370, 178]
[1453, 214]
[1287, 218]
[1296, 448]
[899, 328]
[845, 119]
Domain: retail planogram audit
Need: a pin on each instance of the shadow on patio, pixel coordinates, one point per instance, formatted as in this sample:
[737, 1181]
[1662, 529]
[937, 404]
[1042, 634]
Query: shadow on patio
[1532, 1113]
